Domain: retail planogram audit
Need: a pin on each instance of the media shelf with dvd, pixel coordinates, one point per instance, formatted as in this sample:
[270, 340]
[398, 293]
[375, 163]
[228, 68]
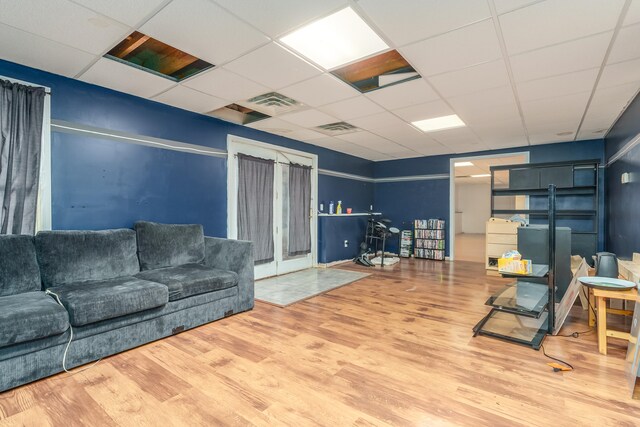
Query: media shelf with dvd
[429, 239]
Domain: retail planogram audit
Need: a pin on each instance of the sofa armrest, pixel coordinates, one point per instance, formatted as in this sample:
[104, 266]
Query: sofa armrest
[236, 256]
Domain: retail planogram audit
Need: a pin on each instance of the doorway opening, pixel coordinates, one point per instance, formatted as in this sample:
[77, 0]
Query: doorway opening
[271, 191]
[470, 202]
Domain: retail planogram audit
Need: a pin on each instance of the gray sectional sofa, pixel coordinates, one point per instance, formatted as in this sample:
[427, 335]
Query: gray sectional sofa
[118, 288]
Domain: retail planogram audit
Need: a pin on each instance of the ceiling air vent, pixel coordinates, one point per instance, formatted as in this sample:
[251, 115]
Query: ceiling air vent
[273, 104]
[338, 128]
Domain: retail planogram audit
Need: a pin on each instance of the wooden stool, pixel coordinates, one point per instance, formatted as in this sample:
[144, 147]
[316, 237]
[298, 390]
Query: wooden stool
[598, 299]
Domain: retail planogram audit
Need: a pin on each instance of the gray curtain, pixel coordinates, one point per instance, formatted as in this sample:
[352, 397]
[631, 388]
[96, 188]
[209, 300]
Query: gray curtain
[299, 209]
[21, 113]
[255, 205]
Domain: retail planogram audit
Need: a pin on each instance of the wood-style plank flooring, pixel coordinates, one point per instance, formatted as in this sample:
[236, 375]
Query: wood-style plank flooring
[395, 348]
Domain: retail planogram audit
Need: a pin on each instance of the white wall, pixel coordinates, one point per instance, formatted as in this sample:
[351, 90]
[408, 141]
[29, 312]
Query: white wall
[474, 201]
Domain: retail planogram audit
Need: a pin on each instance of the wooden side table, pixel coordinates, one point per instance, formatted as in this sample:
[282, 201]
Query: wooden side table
[598, 298]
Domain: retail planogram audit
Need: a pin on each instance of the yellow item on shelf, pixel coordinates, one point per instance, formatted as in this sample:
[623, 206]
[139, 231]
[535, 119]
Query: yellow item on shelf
[511, 262]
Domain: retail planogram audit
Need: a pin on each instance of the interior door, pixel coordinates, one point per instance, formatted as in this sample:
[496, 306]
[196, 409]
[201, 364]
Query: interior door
[283, 261]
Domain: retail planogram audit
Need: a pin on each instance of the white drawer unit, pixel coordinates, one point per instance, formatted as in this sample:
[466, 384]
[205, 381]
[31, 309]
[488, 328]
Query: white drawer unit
[501, 236]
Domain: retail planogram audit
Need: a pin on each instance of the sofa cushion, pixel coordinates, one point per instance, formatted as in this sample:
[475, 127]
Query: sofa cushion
[30, 316]
[18, 265]
[90, 302]
[190, 279]
[169, 245]
[81, 256]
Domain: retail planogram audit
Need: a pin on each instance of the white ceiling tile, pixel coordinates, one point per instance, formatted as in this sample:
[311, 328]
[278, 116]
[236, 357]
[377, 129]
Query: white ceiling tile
[274, 125]
[608, 103]
[374, 142]
[620, 73]
[306, 135]
[565, 108]
[596, 133]
[499, 142]
[498, 128]
[453, 137]
[376, 121]
[404, 94]
[64, 22]
[424, 111]
[309, 118]
[565, 84]
[126, 11]
[487, 107]
[432, 148]
[551, 22]
[401, 133]
[410, 20]
[553, 127]
[121, 77]
[633, 14]
[203, 29]
[225, 84]
[561, 59]
[189, 99]
[504, 6]
[472, 79]
[278, 18]
[320, 90]
[461, 48]
[38, 52]
[539, 139]
[352, 108]
[626, 45]
[273, 66]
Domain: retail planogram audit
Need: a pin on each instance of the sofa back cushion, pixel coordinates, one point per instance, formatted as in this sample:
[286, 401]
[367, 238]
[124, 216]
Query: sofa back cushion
[169, 245]
[19, 271]
[78, 256]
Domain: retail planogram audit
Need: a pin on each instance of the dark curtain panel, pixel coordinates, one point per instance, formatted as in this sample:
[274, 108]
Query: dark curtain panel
[255, 205]
[299, 209]
[21, 113]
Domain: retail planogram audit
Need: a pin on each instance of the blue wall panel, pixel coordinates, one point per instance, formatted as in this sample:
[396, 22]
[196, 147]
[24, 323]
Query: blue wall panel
[354, 194]
[623, 200]
[402, 202]
[100, 184]
[333, 231]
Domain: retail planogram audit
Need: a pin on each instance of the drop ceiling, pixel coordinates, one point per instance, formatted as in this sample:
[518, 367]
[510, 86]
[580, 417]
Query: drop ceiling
[517, 73]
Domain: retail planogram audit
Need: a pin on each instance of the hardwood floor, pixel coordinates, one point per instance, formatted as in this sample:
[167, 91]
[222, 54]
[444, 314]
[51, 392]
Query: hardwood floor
[395, 348]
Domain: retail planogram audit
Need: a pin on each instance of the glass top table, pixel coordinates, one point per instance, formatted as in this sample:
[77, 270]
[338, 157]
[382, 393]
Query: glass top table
[523, 298]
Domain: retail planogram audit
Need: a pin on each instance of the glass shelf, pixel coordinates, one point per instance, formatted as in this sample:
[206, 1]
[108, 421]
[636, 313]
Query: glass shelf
[521, 298]
[537, 271]
[512, 327]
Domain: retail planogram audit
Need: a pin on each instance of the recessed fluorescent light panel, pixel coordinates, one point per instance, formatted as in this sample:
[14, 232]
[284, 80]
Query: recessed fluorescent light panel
[148, 54]
[385, 69]
[462, 164]
[238, 114]
[439, 123]
[335, 40]
[482, 175]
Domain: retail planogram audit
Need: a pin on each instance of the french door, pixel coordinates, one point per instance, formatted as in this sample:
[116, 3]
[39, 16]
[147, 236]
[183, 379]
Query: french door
[284, 210]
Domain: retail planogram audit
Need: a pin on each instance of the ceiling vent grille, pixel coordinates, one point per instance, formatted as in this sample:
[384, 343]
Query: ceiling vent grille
[273, 103]
[338, 128]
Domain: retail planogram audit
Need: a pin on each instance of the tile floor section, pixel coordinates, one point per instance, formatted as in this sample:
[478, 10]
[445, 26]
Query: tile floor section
[293, 287]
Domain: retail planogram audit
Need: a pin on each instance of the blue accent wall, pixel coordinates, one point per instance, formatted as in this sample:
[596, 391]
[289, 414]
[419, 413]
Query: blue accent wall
[623, 200]
[405, 201]
[100, 183]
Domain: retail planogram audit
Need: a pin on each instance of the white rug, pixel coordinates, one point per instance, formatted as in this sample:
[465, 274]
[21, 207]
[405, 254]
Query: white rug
[388, 260]
[293, 287]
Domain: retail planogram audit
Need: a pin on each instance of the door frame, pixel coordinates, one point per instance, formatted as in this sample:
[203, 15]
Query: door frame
[452, 190]
[234, 146]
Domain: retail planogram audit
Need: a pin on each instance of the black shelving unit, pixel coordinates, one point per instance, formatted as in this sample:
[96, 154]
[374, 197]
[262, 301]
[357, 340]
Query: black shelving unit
[576, 192]
[524, 311]
[429, 239]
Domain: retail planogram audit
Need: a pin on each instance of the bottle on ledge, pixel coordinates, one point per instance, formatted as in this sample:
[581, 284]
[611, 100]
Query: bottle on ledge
[331, 207]
[339, 207]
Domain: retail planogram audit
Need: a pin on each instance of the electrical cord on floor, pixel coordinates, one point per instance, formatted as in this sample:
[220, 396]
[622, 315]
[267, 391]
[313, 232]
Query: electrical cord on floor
[66, 350]
[560, 366]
